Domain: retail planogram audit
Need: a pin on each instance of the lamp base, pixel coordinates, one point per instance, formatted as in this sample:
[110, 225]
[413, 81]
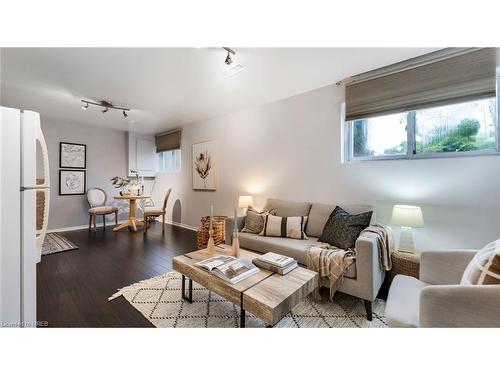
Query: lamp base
[406, 240]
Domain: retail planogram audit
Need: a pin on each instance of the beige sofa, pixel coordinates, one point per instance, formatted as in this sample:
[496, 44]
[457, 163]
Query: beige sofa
[363, 279]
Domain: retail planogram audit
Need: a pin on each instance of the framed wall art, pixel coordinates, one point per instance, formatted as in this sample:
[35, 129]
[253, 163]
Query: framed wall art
[72, 155]
[72, 182]
[204, 166]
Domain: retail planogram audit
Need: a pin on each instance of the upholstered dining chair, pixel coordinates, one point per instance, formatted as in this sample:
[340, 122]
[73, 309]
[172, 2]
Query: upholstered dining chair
[156, 211]
[96, 198]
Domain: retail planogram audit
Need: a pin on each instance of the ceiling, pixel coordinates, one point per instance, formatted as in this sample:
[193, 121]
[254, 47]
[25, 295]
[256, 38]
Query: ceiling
[172, 87]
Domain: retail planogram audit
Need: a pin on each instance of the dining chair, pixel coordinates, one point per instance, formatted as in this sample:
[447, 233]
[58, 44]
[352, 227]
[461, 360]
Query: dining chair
[156, 211]
[96, 198]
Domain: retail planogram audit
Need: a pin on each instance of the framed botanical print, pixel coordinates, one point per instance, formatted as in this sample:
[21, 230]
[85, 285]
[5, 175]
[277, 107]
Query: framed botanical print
[204, 166]
[71, 182]
[72, 155]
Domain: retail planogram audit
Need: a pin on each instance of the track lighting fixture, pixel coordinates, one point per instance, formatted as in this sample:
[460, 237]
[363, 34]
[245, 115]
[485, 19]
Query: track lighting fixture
[230, 52]
[106, 105]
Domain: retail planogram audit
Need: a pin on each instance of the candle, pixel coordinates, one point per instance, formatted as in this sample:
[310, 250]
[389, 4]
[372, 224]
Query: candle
[211, 214]
[235, 220]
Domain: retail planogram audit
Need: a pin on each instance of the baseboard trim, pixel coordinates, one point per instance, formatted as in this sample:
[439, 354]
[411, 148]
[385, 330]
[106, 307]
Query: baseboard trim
[78, 227]
[85, 226]
[177, 224]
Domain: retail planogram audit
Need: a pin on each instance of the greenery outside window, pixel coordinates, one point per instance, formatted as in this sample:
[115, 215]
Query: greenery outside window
[469, 128]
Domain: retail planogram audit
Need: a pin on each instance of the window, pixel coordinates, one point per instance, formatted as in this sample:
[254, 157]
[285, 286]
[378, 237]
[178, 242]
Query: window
[457, 129]
[170, 161]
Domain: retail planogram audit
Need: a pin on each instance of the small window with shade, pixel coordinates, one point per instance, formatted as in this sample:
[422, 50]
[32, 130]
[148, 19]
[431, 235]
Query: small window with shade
[168, 147]
[442, 106]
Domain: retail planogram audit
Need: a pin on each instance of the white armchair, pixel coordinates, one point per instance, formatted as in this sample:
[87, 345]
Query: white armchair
[438, 299]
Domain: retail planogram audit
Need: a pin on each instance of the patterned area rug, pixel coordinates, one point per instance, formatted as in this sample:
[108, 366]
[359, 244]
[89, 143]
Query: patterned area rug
[159, 300]
[55, 243]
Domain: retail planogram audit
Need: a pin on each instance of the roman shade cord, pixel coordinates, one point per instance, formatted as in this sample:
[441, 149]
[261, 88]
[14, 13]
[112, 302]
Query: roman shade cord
[168, 141]
[448, 76]
[332, 263]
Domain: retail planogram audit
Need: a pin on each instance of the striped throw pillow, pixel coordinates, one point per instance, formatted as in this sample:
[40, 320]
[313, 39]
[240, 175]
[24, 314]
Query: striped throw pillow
[484, 268]
[291, 227]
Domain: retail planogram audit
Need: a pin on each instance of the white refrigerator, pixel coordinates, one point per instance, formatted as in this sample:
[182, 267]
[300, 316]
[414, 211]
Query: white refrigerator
[23, 180]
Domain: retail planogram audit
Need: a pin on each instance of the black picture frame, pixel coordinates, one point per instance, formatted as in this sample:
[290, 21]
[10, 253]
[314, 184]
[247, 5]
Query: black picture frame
[74, 144]
[74, 171]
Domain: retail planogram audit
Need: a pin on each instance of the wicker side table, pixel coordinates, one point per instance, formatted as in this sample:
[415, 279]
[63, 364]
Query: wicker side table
[219, 224]
[404, 263]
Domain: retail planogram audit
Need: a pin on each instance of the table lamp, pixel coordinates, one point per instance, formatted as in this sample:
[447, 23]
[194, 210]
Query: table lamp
[245, 200]
[408, 217]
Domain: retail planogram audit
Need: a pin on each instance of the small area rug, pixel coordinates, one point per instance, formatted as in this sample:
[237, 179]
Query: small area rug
[55, 243]
[159, 300]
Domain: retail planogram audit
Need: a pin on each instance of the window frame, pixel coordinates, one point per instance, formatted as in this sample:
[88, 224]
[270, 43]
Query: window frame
[348, 141]
[161, 160]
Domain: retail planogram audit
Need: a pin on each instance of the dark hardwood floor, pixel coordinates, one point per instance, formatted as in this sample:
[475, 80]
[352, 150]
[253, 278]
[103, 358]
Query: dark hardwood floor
[73, 286]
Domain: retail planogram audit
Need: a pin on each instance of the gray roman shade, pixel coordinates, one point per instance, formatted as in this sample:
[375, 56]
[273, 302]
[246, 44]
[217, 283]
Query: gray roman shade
[448, 76]
[168, 141]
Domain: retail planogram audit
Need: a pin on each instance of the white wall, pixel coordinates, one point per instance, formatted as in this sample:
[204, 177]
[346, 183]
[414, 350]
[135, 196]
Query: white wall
[291, 149]
[106, 157]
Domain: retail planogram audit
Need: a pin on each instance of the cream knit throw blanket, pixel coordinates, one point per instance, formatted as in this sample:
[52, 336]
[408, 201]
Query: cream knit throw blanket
[385, 243]
[330, 262]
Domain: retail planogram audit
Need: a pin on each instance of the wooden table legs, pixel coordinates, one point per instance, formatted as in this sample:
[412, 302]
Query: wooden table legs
[132, 222]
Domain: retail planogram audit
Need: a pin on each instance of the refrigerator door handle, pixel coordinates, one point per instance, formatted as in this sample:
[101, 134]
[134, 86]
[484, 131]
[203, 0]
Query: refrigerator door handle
[45, 155]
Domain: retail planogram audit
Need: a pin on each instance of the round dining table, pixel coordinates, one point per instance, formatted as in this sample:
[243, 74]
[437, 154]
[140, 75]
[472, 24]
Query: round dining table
[132, 222]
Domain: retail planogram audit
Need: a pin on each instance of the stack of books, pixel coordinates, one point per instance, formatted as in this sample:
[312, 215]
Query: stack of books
[275, 263]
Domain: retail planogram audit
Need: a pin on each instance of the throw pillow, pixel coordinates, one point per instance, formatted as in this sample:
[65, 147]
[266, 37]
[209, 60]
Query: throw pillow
[291, 227]
[254, 220]
[342, 229]
[484, 268]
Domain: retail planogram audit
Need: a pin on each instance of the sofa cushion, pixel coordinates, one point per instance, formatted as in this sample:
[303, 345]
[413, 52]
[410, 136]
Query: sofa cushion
[288, 208]
[254, 220]
[320, 212]
[284, 246]
[290, 227]
[403, 302]
[342, 229]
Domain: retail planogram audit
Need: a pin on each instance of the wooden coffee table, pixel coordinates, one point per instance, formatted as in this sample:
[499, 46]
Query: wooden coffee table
[267, 295]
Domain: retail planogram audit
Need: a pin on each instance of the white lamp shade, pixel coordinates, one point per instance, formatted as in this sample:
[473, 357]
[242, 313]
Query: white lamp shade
[245, 201]
[407, 216]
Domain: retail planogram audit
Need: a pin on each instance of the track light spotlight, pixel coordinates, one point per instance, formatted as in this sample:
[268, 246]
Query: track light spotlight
[107, 105]
[230, 52]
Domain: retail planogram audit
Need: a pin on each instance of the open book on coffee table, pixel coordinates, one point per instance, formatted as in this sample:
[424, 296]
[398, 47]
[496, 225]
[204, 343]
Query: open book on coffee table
[228, 268]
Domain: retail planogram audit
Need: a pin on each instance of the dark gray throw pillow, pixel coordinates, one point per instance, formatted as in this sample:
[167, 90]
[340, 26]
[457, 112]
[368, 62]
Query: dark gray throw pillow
[342, 229]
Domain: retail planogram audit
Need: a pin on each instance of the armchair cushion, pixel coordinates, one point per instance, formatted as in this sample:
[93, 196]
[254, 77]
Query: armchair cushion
[460, 306]
[402, 308]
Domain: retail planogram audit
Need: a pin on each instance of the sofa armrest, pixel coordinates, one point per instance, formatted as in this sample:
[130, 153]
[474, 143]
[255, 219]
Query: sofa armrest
[229, 227]
[460, 306]
[368, 269]
[444, 267]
